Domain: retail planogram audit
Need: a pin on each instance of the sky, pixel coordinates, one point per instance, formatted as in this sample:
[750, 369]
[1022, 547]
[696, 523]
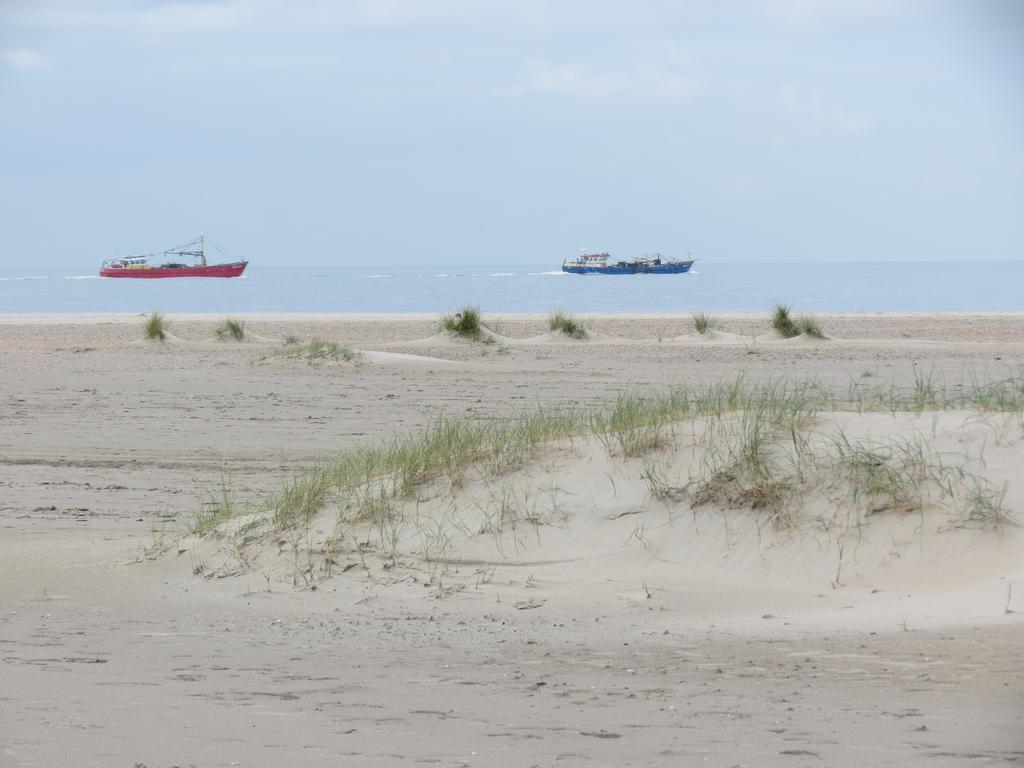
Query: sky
[408, 132]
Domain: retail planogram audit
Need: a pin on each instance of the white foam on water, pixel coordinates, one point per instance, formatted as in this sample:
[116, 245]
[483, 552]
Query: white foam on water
[53, 277]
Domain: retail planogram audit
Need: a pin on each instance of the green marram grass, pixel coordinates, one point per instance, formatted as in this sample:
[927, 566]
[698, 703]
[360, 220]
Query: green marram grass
[466, 322]
[809, 326]
[886, 476]
[783, 322]
[704, 323]
[927, 394]
[219, 508]
[316, 350]
[231, 330]
[562, 322]
[154, 327]
[364, 480]
[986, 506]
[789, 327]
[756, 446]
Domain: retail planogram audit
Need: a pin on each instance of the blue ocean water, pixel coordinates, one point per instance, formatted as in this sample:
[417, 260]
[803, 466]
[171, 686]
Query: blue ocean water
[712, 286]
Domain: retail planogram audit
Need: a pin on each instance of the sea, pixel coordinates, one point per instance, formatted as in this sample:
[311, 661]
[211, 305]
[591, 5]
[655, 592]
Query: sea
[992, 286]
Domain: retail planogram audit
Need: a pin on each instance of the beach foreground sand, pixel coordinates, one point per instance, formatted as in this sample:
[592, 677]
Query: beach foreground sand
[623, 614]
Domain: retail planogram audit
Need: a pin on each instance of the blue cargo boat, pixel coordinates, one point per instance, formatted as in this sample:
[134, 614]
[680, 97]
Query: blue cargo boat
[597, 264]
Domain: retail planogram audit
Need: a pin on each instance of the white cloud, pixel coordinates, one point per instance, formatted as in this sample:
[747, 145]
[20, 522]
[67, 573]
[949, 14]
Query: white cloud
[23, 58]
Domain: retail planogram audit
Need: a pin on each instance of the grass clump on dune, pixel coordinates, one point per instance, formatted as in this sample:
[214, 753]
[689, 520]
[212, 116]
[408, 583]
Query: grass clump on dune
[231, 330]
[926, 394]
[783, 322]
[364, 480]
[810, 327]
[466, 322]
[563, 322]
[704, 323]
[789, 327]
[317, 349]
[217, 509]
[155, 327]
[885, 476]
[755, 446]
[986, 506]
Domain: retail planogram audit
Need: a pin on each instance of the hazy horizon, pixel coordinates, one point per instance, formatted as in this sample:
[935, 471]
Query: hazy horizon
[459, 133]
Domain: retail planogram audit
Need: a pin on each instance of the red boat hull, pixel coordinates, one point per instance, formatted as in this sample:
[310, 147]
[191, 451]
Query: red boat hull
[234, 269]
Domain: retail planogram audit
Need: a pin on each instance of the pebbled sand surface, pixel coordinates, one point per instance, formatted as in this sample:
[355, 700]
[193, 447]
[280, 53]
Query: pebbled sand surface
[114, 653]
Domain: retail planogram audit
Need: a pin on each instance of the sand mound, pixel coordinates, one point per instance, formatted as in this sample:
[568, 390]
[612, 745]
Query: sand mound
[805, 340]
[329, 354]
[169, 338]
[489, 336]
[713, 337]
[256, 338]
[445, 338]
[774, 337]
[858, 503]
[402, 359]
[557, 337]
[248, 338]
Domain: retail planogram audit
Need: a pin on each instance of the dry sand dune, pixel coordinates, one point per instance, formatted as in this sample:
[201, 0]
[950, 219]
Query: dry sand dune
[587, 604]
[712, 336]
[248, 338]
[905, 504]
[402, 359]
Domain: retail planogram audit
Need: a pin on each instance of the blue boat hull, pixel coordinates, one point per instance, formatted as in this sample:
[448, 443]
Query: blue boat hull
[632, 269]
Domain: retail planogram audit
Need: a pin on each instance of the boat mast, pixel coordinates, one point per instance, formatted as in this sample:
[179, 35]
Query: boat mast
[202, 251]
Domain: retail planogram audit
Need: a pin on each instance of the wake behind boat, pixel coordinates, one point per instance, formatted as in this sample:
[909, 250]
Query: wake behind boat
[170, 266]
[597, 264]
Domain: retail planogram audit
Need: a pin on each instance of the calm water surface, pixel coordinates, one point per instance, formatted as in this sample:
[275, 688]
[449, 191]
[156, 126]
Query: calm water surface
[863, 287]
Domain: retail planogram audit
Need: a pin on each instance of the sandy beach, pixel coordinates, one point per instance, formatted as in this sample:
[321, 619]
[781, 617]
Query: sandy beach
[644, 603]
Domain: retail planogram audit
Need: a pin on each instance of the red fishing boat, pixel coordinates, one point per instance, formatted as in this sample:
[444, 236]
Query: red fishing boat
[170, 266]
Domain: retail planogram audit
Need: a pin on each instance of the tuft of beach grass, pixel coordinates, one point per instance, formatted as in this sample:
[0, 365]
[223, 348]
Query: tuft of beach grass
[316, 349]
[154, 327]
[789, 327]
[562, 322]
[231, 330]
[783, 322]
[809, 326]
[985, 506]
[703, 322]
[217, 509]
[466, 322]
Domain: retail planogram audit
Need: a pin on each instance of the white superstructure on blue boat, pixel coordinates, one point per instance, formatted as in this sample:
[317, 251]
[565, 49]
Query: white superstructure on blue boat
[598, 264]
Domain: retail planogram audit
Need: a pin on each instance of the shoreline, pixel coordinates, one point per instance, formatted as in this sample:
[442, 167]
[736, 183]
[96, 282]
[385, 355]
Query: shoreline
[88, 318]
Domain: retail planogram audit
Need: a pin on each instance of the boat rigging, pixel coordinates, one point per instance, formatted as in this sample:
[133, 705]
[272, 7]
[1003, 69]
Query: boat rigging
[171, 263]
